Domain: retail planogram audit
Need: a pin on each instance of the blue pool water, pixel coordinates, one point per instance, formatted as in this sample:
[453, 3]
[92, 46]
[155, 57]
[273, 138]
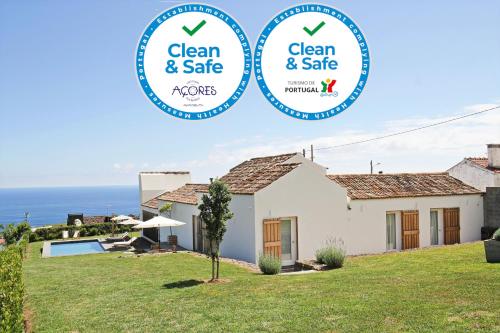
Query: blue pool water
[72, 248]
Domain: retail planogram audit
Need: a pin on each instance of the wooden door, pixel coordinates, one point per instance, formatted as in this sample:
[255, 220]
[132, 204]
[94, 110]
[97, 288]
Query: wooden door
[451, 219]
[410, 230]
[272, 237]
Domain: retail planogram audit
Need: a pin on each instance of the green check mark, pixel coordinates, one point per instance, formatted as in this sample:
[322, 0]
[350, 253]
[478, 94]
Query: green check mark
[191, 32]
[315, 30]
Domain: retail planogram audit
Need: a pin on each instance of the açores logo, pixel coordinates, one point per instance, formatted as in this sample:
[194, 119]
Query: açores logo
[193, 61]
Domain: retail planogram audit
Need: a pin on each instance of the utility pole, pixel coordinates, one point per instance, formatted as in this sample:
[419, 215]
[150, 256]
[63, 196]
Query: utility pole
[371, 166]
[312, 154]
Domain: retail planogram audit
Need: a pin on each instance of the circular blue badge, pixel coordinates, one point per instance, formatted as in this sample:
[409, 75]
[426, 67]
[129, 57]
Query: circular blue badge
[311, 61]
[193, 61]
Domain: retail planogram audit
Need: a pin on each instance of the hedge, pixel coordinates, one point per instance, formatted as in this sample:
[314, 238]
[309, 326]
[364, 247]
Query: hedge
[12, 288]
[85, 230]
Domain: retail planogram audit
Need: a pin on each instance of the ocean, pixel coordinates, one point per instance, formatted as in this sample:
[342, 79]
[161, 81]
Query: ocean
[52, 205]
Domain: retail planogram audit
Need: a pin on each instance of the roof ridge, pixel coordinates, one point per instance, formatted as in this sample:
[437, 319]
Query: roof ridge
[389, 174]
[280, 155]
[267, 168]
[375, 186]
[164, 172]
[262, 158]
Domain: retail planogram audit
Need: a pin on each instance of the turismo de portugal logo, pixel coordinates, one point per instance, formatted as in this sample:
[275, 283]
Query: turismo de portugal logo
[193, 61]
[311, 61]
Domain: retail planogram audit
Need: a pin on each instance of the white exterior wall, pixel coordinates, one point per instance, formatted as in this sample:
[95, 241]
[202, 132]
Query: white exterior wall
[299, 158]
[239, 240]
[155, 183]
[475, 176]
[184, 213]
[319, 204]
[366, 231]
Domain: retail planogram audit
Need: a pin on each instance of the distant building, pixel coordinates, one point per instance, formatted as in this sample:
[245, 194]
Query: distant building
[483, 173]
[479, 172]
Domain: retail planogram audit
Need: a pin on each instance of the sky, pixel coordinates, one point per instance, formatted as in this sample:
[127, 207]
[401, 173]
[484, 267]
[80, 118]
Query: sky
[73, 114]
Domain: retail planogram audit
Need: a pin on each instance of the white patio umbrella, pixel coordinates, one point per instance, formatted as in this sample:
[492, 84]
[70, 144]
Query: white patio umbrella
[158, 222]
[130, 222]
[119, 218]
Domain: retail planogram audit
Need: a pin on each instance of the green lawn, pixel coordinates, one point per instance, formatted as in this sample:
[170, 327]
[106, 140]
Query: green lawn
[448, 289]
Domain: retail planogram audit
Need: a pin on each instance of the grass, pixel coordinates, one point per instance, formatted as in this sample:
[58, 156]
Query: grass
[446, 289]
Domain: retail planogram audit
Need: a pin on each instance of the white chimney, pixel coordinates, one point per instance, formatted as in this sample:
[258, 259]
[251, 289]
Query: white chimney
[494, 155]
[154, 183]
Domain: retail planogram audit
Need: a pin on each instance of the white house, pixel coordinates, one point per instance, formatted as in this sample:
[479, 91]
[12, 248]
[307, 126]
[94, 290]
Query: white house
[480, 172]
[153, 183]
[484, 173]
[403, 211]
[287, 205]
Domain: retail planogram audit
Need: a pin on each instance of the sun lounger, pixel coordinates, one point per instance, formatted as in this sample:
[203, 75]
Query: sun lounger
[125, 244]
[120, 238]
[76, 234]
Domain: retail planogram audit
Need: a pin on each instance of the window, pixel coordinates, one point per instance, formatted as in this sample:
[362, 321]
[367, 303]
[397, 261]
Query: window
[286, 239]
[434, 227]
[391, 231]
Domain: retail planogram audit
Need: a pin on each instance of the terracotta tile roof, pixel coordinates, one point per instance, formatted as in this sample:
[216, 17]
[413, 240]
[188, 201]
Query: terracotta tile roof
[95, 219]
[153, 203]
[401, 185]
[483, 163]
[184, 194]
[255, 174]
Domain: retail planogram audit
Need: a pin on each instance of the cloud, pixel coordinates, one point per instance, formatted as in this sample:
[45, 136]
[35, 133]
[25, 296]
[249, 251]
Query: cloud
[431, 149]
[125, 168]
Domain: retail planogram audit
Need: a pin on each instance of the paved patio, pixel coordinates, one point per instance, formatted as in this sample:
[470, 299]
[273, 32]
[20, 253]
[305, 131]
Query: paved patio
[141, 245]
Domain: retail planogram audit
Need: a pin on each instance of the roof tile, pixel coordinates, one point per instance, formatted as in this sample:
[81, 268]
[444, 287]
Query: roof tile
[184, 194]
[367, 186]
[153, 203]
[483, 163]
[255, 174]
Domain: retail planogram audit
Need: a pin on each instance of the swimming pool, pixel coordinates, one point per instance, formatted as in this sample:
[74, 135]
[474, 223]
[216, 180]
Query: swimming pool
[70, 248]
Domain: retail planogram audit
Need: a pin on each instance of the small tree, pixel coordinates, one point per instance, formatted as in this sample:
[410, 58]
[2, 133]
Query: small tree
[214, 212]
[166, 208]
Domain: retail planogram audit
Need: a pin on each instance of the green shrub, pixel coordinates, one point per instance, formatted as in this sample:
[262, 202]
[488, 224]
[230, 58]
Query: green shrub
[92, 232]
[320, 255]
[11, 289]
[13, 233]
[334, 258]
[22, 245]
[332, 254]
[85, 230]
[269, 264]
[496, 235]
